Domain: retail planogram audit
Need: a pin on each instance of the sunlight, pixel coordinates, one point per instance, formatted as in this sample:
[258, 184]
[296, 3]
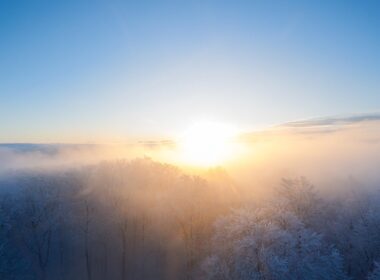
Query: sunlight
[207, 144]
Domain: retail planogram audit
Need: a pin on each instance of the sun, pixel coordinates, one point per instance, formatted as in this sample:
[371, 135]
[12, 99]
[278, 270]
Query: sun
[207, 144]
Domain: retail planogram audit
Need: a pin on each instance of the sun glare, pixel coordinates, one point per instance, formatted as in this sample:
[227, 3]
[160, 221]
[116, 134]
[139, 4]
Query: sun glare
[207, 144]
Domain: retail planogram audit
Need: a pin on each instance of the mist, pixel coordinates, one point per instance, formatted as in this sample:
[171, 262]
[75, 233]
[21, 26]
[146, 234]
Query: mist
[301, 192]
[333, 154]
[325, 150]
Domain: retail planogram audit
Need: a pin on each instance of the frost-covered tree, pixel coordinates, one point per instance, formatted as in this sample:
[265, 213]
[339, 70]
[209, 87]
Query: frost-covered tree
[298, 196]
[353, 226]
[37, 219]
[12, 264]
[270, 244]
[146, 220]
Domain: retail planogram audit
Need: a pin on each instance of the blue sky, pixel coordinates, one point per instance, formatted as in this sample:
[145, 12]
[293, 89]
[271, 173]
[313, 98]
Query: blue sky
[84, 70]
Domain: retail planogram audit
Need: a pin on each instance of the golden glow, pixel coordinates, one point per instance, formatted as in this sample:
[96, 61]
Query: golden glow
[207, 144]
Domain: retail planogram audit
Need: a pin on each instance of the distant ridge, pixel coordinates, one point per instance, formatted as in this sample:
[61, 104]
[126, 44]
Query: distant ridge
[49, 149]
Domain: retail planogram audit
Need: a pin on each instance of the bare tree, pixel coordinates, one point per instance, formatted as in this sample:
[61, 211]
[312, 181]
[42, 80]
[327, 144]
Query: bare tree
[38, 219]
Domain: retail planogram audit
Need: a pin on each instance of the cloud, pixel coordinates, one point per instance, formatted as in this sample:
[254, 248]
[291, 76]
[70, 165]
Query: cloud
[46, 149]
[364, 124]
[26, 155]
[157, 144]
[333, 121]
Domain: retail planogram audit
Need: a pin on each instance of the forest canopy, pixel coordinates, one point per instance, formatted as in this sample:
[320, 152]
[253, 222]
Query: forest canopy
[143, 219]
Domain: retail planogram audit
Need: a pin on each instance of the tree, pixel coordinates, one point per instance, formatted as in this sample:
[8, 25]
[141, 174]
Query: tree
[268, 244]
[298, 196]
[12, 263]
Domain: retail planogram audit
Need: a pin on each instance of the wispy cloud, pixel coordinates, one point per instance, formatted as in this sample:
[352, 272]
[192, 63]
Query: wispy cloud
[157, 144]
[333, 121]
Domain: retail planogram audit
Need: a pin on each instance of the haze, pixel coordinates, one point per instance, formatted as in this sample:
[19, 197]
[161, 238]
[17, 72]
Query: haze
[189, 140]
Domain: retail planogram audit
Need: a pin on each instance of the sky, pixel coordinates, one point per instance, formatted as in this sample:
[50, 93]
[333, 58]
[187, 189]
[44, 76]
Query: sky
[81, 71]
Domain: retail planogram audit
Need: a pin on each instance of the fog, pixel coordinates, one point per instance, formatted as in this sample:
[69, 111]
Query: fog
[331, 154]
[326, 150]
[299, 198]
